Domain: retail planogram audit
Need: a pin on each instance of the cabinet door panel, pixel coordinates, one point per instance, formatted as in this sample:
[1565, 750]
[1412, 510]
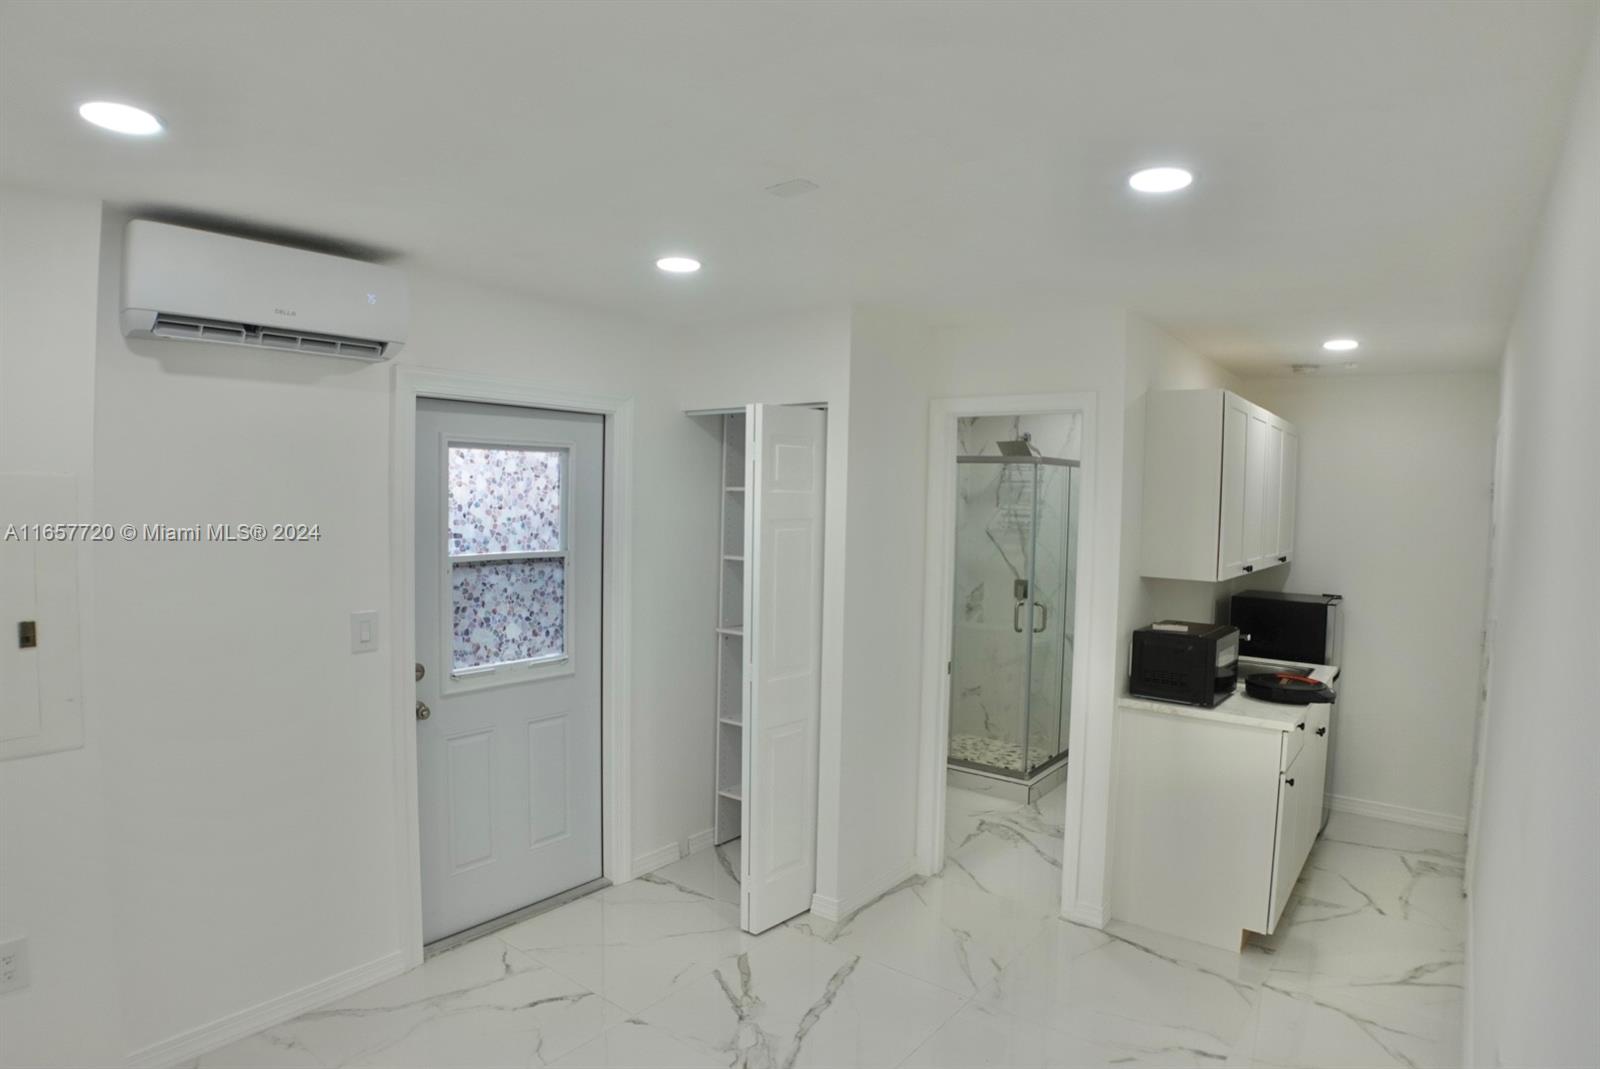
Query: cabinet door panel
[1289, 483]
[1314, 768]
[1287, 854]
[1255, 483]
[1231, 557]
[1271, 495]
[1299, 815]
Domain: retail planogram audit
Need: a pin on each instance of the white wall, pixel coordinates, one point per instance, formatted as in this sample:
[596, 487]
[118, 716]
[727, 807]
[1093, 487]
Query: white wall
[1394, 515]
[876, 748]
[802, 358]
[55, 885]
[248, 762]
[1048, 346]
[1156, 361]
[1533, 949]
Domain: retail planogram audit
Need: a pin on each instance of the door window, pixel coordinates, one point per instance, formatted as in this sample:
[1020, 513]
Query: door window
[507, 551]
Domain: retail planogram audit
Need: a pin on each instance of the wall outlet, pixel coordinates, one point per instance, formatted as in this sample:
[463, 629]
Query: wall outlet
[13, 965]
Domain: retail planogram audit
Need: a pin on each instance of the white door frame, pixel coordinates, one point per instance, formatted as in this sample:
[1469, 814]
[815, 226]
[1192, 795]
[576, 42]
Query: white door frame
[937, 635]
[616, 599]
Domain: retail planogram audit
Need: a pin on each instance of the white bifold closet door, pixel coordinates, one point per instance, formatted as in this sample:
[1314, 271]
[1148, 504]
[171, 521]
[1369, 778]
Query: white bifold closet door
[784, 473]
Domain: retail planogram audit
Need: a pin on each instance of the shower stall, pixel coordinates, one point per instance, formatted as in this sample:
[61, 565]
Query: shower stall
[1015, 588]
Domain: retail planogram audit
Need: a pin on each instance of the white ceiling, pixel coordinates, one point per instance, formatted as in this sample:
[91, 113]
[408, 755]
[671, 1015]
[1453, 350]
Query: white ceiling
[1374, 169]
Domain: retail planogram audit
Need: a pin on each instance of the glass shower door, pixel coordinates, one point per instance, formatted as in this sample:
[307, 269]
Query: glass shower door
[1050, 616]
[990, 649]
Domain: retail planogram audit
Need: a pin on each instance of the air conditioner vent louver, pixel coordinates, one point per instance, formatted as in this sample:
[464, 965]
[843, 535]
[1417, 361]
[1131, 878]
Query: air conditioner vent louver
[190, 328]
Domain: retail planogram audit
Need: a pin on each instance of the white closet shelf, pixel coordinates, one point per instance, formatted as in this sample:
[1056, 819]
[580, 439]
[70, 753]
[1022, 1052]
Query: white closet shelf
[733, 556]
[734, 489]
[730, 722]
[735, 631]
[731, 792]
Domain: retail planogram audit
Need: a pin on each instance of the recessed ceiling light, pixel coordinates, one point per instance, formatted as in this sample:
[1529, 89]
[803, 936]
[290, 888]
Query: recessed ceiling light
[120, 118]
[1160, 179]
[1341, 345]
[678, 265]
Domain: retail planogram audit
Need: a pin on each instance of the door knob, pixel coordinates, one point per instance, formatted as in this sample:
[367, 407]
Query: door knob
[421, 671]
[423, 712]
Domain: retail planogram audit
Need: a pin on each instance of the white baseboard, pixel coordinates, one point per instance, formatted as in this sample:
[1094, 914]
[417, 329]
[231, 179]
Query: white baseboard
[834, 909]
[655, 859]
[1398, 814]
[701, 840]
[247, 1022]
[1084, 914]
[825, 907]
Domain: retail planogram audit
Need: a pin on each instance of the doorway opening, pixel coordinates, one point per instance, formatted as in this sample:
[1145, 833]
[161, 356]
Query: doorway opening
[531, 629]
[1003, 670]
[508, 548]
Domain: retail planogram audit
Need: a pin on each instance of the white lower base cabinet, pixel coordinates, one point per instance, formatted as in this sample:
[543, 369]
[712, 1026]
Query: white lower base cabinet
[1214, 820]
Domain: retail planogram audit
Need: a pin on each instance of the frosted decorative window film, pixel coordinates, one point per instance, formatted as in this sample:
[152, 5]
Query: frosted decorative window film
[504, 500]
[512, 610]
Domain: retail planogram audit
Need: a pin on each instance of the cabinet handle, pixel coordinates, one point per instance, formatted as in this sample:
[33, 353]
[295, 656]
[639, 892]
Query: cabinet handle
[1322, 731]
[1249, 567]
[1289, 782]
[1300, 726]
[1283, 560]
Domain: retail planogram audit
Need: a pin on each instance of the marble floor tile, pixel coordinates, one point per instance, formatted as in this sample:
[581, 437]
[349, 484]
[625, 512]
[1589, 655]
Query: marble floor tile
[485, 1002]
[940, 929]
[981, 1036]
[1422, 887]
[1315, 1031]
[968, 968]
[792, 1000]
[1080, 980]
[1006, 849]
[1386, 834]
[633, 944]
[636, 1045]
[712, 872]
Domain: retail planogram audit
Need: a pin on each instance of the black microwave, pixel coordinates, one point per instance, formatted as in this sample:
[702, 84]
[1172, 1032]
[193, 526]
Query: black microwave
[1187, 663]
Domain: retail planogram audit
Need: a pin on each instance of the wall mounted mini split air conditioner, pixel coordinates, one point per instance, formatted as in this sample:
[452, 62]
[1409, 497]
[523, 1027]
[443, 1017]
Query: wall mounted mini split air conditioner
[192, 285]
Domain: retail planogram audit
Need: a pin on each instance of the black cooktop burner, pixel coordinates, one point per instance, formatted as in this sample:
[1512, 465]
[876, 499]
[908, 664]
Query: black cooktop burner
[1287, 686]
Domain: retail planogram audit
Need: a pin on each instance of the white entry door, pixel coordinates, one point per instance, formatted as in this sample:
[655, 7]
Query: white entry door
[508, 646]
[785, 455]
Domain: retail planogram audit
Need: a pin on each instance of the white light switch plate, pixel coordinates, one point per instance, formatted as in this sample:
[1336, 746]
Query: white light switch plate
[364, 631]
[13, 965]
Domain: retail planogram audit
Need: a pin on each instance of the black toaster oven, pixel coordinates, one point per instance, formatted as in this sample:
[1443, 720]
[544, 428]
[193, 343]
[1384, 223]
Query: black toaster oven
[1188, 663]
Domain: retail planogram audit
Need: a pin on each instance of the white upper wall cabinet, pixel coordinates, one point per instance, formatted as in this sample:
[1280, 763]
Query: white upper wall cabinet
[1219, 486]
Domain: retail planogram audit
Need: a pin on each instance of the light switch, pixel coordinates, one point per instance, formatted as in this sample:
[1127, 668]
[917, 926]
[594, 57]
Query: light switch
[364, 631]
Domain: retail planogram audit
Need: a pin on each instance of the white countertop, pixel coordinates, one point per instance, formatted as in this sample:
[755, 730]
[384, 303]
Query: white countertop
[1240, 708]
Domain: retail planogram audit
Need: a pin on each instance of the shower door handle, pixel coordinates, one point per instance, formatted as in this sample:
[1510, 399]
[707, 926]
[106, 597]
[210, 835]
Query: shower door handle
[1042, 622]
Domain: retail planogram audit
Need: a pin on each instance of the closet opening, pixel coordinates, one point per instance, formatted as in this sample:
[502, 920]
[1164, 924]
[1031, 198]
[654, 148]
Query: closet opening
[766, 635]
